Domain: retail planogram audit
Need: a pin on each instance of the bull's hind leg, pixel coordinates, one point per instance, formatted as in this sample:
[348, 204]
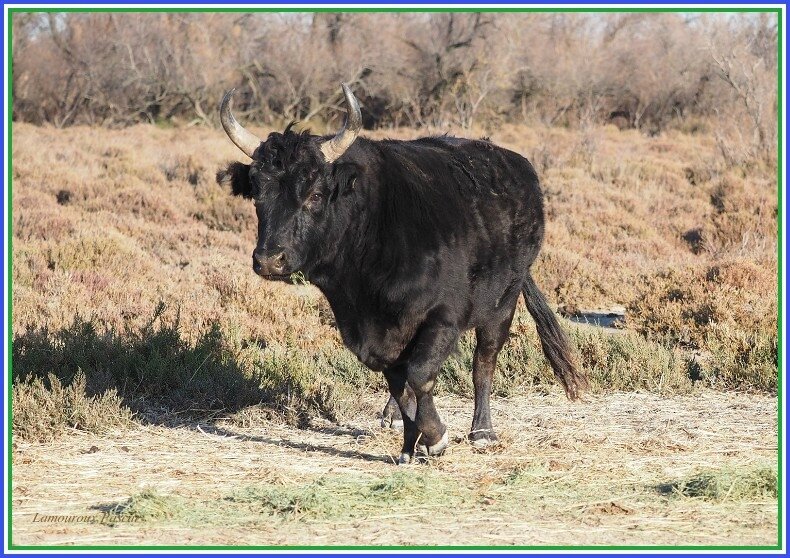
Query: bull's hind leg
[403, 395]
[391, 416]
[490, 339]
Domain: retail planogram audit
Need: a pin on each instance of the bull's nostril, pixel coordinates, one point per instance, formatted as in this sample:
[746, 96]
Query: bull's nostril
[278, 262]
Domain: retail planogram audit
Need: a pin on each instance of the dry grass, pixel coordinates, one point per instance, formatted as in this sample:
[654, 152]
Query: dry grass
[44, 409]
[621, 468]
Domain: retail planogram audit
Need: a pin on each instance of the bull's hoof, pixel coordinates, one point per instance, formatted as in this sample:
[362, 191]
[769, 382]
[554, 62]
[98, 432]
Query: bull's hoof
[391, 422]
[404, 459]
[482, 438]
[437, 448]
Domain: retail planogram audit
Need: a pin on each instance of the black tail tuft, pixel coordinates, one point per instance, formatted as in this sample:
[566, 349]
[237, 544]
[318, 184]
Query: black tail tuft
[554, 341]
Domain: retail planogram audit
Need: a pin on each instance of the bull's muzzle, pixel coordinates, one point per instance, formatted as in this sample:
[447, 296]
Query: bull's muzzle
[264, 266]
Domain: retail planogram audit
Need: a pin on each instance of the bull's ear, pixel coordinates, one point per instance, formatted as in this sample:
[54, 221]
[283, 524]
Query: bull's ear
[237, 175]
[344, 176]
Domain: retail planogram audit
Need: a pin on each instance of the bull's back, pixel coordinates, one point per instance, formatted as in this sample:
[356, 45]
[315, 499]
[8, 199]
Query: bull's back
[473, 187]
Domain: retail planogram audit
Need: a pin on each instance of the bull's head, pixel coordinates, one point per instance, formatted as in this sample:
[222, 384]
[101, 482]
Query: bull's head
[295, 180]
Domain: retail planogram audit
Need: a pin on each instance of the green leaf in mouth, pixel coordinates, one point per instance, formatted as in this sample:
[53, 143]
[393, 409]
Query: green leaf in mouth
[298, 278]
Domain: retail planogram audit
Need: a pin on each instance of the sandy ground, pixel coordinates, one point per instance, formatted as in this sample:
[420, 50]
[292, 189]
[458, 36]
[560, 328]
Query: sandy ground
[563, 474]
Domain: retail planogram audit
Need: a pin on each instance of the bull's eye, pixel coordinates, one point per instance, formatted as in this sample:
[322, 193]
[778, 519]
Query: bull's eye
[316, 197]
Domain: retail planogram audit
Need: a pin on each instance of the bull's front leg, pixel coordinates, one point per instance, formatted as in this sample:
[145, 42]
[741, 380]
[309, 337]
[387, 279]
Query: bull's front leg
[422, 426]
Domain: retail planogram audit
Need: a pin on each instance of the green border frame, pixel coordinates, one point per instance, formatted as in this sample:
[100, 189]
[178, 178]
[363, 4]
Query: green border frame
[778, 11]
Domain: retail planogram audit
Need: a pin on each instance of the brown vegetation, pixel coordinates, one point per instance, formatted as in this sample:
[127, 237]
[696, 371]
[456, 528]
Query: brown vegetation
[131, 267]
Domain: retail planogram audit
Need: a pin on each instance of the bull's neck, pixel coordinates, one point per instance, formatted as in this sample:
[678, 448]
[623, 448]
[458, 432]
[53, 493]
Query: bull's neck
[339, 273]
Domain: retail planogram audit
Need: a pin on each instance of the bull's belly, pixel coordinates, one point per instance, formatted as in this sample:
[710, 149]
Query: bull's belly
[377, 347]
[380, 341]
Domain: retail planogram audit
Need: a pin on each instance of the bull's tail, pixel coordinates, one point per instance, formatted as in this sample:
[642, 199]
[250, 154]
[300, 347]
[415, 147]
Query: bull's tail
[555, 343]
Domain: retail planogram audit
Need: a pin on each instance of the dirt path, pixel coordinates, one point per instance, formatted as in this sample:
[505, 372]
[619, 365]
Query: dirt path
[607, 471]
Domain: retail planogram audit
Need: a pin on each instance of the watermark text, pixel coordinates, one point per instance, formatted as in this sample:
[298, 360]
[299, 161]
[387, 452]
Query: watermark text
[100, 518]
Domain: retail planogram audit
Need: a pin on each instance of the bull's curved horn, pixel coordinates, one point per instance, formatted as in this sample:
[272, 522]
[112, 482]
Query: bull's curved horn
[244, 140]
[334, 148]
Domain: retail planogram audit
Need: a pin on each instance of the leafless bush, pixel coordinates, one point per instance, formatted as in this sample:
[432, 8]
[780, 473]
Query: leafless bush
[745, 61]
[646, 71]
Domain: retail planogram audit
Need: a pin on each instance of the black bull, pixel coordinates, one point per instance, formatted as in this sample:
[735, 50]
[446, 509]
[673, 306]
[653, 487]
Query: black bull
[412, 243]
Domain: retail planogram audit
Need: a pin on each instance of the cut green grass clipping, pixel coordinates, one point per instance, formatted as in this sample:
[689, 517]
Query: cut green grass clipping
[720, 485]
